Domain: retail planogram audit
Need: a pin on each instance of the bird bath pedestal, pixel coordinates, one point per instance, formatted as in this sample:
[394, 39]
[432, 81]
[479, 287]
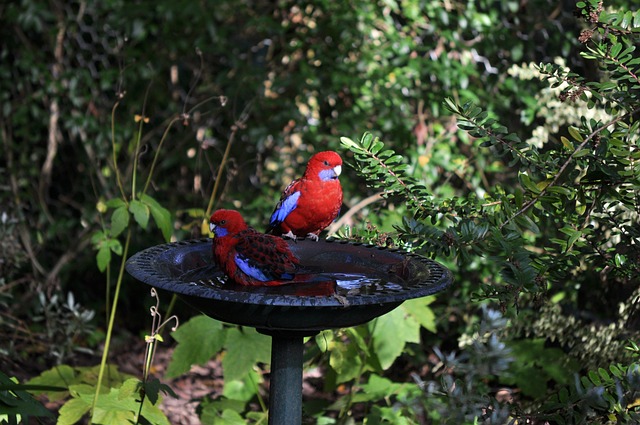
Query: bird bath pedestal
[349, 284]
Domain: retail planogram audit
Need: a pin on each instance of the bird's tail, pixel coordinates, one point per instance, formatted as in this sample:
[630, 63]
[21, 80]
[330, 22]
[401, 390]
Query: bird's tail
[307, 285]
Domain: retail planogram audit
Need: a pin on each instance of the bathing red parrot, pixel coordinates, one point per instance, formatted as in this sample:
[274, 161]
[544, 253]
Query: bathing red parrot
[309, 204]
[248, 256]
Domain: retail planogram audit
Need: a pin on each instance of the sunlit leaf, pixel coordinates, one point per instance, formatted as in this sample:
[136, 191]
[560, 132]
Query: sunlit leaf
[161, 216]
[119, 220]
[140, 212]
[238, 360]
[198, 340]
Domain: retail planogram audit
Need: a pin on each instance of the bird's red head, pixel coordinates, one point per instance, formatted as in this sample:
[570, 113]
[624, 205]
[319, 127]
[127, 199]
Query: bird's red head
[325, 165]
[226, 222]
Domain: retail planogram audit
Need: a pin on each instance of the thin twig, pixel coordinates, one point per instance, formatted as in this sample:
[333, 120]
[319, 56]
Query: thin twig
[581, 146]
[352, 211]
[114, 151]
[23, 231]
[53, 138]
[239, 124]
[157, 154]
[136, 154]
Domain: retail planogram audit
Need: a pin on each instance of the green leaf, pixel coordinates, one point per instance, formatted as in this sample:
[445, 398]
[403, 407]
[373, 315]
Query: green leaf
[560, 190]
[161, 216]
[211, 409]
[129, 388]
[528, 184]
[566, 143]
[243, 389]
[525, 221]
[604, 375]
[376, 146]
[381, 386]
[581, 153]
[119, 220]
[238, 360]
[103, 257]
[563, 395]
[345, 361]
[575, 133]
[324, 339]
[617, 372]
[140, 212]
[451, 105]
[98, 237]
[152, 413]
[615, 50]
[115, 246]
[348, 143]
[72, 411]
[366, 140]
[626, 20]
[198, 340]
[16, 402]
[419, 309]
[152, 390]
[116, 203]
[593, 376]
[113, 409]
[390, 334]
[230, 417]
[61, 376]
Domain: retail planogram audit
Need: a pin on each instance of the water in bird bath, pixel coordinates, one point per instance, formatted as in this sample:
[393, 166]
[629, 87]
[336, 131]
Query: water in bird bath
[322, 275]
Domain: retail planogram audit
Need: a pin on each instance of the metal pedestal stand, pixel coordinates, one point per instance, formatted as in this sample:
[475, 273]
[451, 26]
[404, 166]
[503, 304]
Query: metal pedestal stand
[285, 389]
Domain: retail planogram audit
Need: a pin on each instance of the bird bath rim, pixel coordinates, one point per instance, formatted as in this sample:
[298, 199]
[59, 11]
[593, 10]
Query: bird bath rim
[279, 309]
[159, 266]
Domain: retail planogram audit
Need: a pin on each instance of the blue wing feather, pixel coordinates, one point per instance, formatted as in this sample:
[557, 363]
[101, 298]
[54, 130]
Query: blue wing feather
[244, 264]
[284, 208]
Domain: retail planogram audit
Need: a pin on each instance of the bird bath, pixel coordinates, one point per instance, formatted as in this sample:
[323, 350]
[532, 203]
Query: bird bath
[347, 284]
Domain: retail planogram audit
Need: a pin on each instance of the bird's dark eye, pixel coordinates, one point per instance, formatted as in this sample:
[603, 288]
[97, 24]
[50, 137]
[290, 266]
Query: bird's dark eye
[326, 163]
[223, 222]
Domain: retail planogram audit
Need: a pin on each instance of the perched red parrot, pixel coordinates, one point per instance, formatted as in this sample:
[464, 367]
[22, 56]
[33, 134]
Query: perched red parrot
[309, 204]
[248, 256]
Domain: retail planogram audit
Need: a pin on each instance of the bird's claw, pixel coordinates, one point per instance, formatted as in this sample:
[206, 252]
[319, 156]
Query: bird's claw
[313, 236]
[289, 235]
[341, 299]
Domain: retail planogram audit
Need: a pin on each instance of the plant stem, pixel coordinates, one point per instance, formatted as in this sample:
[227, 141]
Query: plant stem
[116, 170]
[142, 118]
[114, 307]
[136, 154]
[155, 157]
[240, 123]
[172, 304]
[225, 156]
[108, 290]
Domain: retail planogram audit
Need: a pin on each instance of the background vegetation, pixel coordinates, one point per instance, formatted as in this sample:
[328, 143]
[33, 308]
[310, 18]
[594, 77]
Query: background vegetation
[515, 162]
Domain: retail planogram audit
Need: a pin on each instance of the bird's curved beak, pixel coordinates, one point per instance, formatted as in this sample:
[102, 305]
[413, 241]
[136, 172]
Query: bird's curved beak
[337, 169]
[212, 228]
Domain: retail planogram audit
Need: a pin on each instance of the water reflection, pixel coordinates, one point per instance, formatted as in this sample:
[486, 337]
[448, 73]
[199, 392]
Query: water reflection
[312, 281]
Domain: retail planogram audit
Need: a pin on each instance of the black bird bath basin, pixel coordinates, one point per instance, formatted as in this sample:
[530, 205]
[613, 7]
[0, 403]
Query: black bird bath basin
[343, 284]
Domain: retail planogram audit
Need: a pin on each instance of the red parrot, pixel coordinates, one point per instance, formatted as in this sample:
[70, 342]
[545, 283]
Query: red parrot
[248, 256]
[309, 204]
